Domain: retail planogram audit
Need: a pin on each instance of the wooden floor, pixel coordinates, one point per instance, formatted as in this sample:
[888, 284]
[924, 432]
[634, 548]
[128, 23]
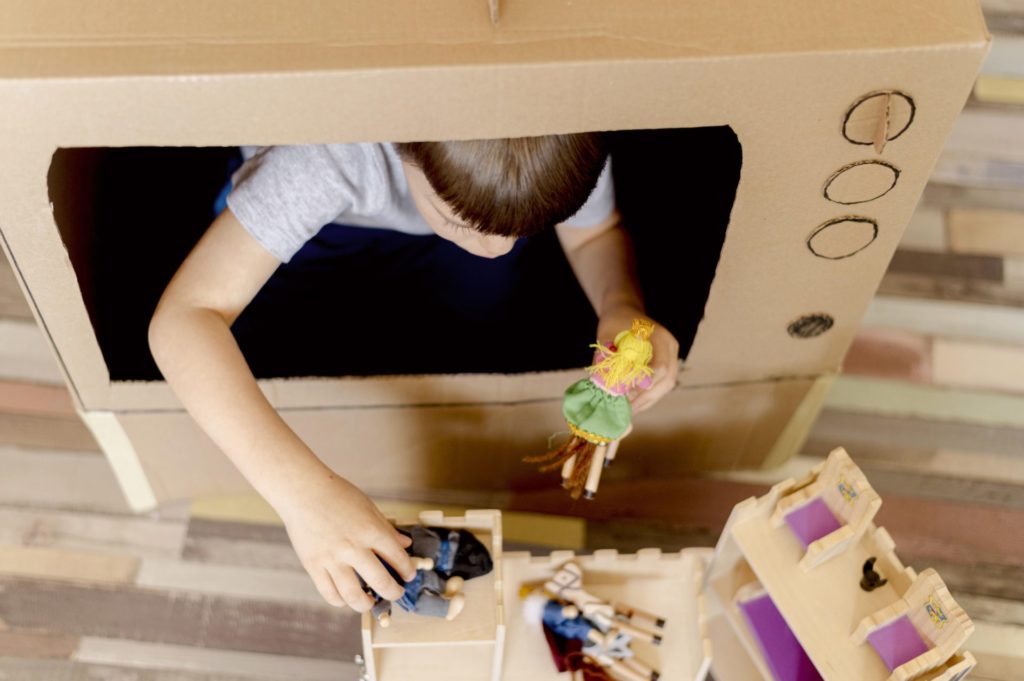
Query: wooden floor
[931, 407]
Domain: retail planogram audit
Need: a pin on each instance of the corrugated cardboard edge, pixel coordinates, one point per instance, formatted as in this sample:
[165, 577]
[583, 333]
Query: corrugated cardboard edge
[123, 458]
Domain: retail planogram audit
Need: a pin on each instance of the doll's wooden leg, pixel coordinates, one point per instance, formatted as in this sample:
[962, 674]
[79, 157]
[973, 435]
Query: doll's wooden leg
[567, 468]
[638, 633]
[453, 585]
[609, 457]
[632, 614]
[594, 475]
[641, 668]
[421, 563]
[455, 606]
[620, 670]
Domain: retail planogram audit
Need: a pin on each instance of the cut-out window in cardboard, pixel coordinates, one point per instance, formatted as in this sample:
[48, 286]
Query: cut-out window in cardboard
[359, 302]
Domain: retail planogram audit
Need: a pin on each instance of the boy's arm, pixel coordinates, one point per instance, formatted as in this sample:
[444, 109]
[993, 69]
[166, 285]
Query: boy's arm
[601, 256]
[333, 526]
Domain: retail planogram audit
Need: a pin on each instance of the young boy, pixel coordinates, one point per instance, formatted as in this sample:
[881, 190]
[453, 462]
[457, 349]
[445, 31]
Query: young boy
[480, 195]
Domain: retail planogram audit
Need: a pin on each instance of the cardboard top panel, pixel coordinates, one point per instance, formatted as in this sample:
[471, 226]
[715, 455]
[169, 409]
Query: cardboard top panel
[64, 39]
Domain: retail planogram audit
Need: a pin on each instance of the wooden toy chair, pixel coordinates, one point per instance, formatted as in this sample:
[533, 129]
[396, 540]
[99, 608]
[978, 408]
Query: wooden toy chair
[831, 511]
[918, 633]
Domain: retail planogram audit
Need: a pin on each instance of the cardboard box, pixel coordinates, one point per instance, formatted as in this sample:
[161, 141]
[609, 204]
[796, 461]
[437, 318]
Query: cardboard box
[837, 109]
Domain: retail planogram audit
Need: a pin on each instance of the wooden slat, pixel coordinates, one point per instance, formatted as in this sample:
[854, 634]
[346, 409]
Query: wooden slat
[145, 537]
[897, 398]
[874, 435]
[926, 231]
[12, 303]
[986, 232]
[953, 196]
[72, 566]
[243, 553]
[947, 319]
[979, 366]
[28, 669]
[49, 432]
[58, 479]
[181, 619]
[25, 354]
[285, 586]
[971, 267]
[32, 398]
[890, 353]
[968, 290]
[36, 644]
[203, 661]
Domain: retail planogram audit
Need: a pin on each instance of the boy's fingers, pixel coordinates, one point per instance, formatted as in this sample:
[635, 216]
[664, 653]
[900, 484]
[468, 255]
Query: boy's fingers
[348, 586]
[376, 576]
[325, 585]
[397, 558]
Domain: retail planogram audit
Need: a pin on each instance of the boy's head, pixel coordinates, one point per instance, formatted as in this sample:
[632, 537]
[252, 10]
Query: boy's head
[484, 194]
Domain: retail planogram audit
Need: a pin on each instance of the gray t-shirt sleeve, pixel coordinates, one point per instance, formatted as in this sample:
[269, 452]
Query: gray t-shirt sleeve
[599, 205]
[284, 195]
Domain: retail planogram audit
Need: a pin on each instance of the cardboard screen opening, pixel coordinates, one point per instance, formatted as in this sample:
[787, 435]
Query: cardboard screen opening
[129, 216]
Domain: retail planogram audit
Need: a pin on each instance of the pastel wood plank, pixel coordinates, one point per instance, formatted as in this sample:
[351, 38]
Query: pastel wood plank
[181, 619]
[979, 366]
[29, 669]
[73, 566]
[986, 232]
[25, 354]
[999, 89]
[951, 265]
[897, 398]
[32, 398]
[926, 231]
[212, 661]
[891, 354]
[911, 439]
[285, 586]
[37, 644]
[949, 319]
[12, 301]
[49, 432]
[98, 533]
[966, 289]
[59, 479]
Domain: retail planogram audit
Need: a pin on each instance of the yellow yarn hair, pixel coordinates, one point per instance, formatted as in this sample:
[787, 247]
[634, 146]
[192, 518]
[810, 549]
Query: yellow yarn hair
[629, 361]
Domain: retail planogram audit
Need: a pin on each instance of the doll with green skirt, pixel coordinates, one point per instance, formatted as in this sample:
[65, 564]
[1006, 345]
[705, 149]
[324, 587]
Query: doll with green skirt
[598, 411]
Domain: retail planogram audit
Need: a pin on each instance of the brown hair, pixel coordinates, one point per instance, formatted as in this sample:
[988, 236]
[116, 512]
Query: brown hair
[512, 187]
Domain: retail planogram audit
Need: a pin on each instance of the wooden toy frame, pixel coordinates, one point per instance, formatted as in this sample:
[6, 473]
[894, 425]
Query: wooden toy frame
[475, 638]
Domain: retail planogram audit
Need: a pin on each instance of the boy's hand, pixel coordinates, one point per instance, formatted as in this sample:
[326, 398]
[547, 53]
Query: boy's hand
[666, 353]
[338, 533]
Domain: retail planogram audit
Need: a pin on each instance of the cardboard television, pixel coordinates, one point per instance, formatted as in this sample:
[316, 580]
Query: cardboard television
[801, 586]
[828, 120]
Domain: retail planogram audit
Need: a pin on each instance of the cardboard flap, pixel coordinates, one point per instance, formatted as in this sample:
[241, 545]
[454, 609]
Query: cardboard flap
[66, 38]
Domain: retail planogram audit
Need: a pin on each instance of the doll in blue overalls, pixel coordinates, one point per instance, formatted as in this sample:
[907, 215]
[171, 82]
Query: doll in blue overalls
[444, 559]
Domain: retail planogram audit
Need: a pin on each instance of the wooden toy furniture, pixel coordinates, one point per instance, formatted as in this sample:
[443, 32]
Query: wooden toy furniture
[468, 648]
[831, 511]
[668, 584]
[919, 632]
[769, 612]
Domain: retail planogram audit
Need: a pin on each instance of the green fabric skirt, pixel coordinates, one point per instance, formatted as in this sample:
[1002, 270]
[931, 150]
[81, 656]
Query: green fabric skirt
[595, 412]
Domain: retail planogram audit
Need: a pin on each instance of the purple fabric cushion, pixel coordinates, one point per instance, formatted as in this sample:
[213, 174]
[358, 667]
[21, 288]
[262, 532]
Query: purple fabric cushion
[812, 521]
[897, 642]
[781, 649]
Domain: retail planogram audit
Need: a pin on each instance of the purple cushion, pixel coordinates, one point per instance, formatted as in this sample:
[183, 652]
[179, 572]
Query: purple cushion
[781, 649]
[897, 642]
[812, 521]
